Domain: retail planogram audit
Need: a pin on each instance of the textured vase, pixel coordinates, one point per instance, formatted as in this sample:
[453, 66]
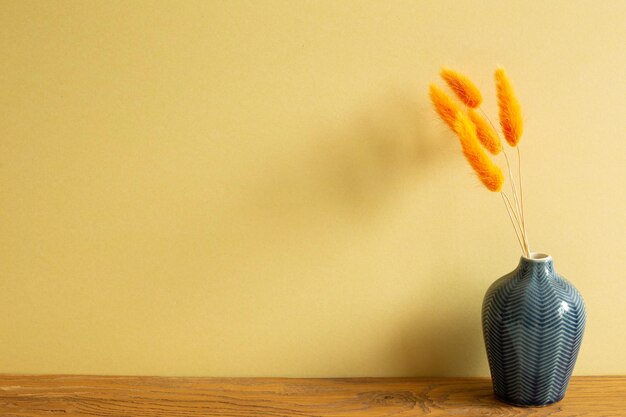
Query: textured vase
[533, 323]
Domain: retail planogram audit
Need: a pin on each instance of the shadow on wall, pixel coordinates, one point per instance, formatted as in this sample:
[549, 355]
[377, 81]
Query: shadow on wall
[385, 145]
[344, 181]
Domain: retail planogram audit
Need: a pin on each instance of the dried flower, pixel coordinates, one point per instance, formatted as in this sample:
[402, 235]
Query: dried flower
[444, 105]
[510, 110]
[488, 173]
[463, 87]
[486, 134]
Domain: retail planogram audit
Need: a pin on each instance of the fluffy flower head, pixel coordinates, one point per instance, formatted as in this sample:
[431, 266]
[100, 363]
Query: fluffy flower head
[488, 172]
[487, 136]
[510, 112]
[444, 105]
[463, 87]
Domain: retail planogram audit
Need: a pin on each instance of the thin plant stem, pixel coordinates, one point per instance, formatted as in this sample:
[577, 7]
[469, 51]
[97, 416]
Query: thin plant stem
[513, 188]
[521, 194]
[508, 167]
[507, 205]
[489, 120]
[518, 203]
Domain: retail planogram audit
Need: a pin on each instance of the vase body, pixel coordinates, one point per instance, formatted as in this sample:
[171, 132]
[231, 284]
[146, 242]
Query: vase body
[533, 323]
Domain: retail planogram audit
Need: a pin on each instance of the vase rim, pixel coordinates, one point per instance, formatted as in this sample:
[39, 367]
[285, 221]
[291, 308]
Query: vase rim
[538, 257]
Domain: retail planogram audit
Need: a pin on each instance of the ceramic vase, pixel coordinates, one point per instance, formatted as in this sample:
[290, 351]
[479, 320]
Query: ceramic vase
[533, 322]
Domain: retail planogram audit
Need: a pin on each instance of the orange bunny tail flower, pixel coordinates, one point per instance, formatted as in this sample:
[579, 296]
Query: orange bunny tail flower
[444, 105]
[488, 172]
[510, 110]
[487, 136]
[465, 89]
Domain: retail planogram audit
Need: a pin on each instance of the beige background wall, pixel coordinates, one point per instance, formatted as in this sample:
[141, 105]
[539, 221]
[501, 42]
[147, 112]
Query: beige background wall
[261, 188]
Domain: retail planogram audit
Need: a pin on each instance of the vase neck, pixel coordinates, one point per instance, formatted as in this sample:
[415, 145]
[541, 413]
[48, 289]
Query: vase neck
[535, 263]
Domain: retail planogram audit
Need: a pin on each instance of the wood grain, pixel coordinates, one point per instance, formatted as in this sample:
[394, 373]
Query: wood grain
[64, 395]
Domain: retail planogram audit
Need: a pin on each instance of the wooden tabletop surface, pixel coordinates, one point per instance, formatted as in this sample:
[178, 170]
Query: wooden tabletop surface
[65, 395]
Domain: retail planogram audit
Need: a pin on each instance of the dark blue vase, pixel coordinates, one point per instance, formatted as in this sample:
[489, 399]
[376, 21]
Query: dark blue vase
[533, 323]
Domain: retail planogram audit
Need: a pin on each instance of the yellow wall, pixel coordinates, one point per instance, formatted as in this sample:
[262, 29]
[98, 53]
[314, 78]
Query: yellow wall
[261, 188]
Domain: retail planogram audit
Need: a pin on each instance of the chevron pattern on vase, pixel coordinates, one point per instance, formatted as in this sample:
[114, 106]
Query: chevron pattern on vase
[533, 323]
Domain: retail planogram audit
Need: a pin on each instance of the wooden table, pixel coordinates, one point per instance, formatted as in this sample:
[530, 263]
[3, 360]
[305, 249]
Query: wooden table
[66, 395]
